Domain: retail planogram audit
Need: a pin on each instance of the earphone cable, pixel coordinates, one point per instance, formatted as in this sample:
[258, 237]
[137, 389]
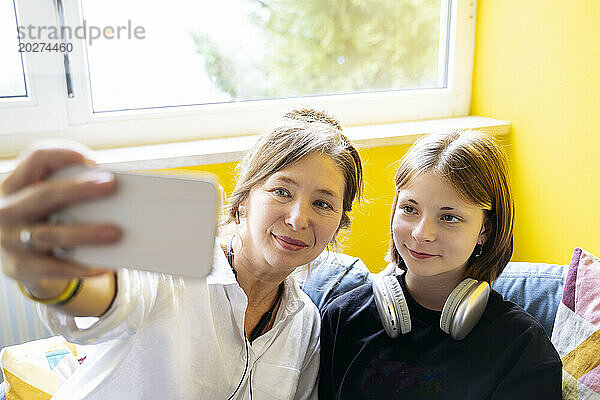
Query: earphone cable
[245, 370]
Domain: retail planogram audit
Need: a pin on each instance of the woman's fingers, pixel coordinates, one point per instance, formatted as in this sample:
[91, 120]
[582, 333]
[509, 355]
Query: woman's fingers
[38, 164]
[36, 202]
[43, 237]
[31, 267]
[27, 197]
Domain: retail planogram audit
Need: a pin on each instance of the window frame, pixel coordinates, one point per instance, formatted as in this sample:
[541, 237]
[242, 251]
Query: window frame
[44, 108]
[51, 113]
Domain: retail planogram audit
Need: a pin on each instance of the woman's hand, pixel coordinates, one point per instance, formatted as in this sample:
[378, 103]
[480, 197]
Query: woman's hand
[28, 198]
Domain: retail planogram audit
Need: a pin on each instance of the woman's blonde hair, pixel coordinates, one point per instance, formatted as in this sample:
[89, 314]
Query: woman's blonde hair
[476, 166]
[298, 134]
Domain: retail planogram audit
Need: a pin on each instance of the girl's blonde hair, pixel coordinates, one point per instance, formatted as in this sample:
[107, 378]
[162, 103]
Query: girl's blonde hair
[298, 134]
[476, 166]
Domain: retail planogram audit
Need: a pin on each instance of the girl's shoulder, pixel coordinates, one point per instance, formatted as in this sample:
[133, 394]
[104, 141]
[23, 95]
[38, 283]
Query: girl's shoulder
[511, 317]
[355, 301]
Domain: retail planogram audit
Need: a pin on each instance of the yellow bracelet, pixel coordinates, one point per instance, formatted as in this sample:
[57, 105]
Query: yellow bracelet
[70, 292]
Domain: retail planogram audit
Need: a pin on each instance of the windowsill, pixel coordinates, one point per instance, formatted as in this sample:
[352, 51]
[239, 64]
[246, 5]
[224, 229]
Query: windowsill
[212, 151]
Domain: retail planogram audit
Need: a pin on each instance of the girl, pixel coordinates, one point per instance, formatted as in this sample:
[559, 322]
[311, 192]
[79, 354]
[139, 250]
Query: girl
[247, 331]
[429, 327]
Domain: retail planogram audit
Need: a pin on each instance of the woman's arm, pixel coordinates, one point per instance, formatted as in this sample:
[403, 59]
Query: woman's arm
[92, 299]
[27, 239]
[134, 302]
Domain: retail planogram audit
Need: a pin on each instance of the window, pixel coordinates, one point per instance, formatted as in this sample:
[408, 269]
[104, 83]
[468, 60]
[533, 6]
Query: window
[205, 52]
[150, 71]
[32, 96]
[12, 76]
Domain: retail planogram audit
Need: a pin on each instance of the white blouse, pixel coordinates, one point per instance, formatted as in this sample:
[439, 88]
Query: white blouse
[168, 337]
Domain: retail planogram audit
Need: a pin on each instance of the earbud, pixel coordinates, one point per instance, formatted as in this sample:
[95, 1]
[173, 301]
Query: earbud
[461, 312]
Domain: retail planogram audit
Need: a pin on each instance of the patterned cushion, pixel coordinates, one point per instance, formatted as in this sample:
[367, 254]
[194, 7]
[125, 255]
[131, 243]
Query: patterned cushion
[576, 333]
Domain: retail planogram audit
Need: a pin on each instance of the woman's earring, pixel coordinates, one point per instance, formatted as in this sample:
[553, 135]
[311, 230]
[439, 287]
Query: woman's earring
[242, 210]
[236, 243]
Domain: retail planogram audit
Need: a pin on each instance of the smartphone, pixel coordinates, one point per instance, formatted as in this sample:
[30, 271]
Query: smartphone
[168, 222]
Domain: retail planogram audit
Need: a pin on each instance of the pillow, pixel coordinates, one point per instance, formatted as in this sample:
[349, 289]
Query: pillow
[536, 287]
[576, 333]
[330, 275]
[35, 370]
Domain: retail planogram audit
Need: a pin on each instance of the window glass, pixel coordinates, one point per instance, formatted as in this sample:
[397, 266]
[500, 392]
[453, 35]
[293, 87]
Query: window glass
[152, 53]
[12, 77]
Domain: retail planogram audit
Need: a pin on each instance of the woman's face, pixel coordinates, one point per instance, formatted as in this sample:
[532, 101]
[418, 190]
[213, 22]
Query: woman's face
[435, 230]
[292, 216]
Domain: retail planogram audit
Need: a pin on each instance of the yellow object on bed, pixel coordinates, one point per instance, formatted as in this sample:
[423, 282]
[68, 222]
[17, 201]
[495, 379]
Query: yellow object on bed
[36, 370]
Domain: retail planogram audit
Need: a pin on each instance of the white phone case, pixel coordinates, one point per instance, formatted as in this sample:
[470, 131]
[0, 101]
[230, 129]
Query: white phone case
[168, 223]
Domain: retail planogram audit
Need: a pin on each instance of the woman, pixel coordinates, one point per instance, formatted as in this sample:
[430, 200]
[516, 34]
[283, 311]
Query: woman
[245, 332]
[432, 329]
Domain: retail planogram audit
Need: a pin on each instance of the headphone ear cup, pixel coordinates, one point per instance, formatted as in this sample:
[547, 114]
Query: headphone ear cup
[464, 307]
[391, 305]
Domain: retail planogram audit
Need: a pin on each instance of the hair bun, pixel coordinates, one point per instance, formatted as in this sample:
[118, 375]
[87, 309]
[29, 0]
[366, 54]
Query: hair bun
[312, 115]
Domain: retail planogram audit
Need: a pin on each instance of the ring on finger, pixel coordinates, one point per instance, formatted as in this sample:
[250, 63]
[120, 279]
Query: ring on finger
[61, 252]
[26, 238]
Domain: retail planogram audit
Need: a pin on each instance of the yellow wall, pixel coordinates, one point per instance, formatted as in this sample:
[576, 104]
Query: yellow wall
[369, 236]
[537, 64]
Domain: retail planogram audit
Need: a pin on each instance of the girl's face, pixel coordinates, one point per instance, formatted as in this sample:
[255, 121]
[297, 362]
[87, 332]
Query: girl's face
[435, 230]
[292, 216]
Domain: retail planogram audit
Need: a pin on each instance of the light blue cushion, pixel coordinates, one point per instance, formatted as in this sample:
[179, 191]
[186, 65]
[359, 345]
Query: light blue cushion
[332, 274]
[537, 288]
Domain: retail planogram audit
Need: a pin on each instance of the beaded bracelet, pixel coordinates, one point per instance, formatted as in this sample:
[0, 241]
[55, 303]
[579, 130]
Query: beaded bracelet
[70, 292]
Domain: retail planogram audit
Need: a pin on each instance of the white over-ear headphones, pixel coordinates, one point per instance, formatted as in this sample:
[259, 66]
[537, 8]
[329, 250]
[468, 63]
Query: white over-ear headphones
[462, 309]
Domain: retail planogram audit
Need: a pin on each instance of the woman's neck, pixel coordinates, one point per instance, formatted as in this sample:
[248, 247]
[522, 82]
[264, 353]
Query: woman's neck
[432, 291]
[260, 288]
[263, 292]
